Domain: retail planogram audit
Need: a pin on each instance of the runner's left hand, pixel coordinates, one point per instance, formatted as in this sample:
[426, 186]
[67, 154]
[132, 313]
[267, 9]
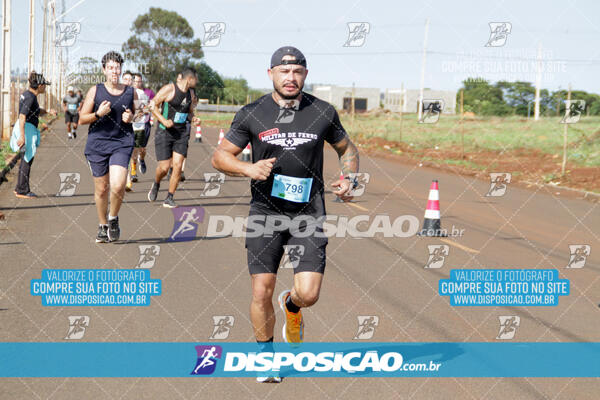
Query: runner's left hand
[344, 188]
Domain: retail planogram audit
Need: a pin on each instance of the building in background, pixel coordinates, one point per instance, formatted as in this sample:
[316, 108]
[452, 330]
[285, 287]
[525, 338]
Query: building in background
[392, 100]
[365, 99]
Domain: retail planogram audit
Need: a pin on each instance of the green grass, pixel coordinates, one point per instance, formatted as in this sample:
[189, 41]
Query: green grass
[224, 118]
[480, 133]
[492, 133]
[5, 151]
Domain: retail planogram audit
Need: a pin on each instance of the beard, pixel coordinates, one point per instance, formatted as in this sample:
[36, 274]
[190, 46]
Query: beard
[278, 88]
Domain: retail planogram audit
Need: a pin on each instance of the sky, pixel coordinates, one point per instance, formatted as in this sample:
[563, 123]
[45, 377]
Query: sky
[391, 54]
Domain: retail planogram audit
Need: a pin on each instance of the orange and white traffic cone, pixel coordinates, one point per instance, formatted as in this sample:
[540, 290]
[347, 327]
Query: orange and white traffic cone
[337, 198]
[246, 153]
[221, 136]
[432, 223]
[198, 138]
[151, 120]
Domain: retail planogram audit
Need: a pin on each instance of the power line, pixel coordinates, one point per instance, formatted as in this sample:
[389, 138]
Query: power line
[383, 52]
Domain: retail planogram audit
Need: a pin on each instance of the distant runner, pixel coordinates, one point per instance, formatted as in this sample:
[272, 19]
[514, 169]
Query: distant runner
[71, 107]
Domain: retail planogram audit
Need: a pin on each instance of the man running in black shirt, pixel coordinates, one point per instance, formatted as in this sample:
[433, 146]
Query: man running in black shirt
[171, 107]
[287, 129]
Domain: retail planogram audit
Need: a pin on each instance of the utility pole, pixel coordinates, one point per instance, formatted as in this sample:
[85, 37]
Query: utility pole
[53, 42]
[6, 25]
[538, 83]
[462, 125]
[401, 107]
[420, 107]
[564, 160]
[44, 37]
[45, 49]
[31, 58]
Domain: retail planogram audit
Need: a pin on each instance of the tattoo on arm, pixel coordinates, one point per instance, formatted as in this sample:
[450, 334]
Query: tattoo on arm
[348, 154]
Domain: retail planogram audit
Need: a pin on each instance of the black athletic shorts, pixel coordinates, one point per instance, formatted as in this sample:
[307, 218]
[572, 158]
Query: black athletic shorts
[71, 117]
[166, 143]
[304, 241]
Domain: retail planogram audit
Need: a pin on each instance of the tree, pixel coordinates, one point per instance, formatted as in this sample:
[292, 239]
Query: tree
[235, 90]
[518, 95]
[163, 42]
[592, 100]
[210, 85]
[483, 99]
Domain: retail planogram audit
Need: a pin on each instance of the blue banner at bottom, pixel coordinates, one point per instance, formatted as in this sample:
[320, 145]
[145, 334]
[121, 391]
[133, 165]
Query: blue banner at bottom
[350, 359]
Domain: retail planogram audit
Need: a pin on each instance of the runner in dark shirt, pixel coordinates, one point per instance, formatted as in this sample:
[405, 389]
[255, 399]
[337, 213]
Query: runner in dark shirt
[109, 109]
[172, 106]
[287, 130]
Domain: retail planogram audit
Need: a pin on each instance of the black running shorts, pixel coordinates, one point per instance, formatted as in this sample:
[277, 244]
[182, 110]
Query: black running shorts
[305, 252]
[71, 117]
[166, 143]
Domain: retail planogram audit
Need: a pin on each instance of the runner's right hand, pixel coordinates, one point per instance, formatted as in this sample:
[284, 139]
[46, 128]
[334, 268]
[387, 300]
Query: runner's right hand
[261, 169]
[103, 108]
[168, 124]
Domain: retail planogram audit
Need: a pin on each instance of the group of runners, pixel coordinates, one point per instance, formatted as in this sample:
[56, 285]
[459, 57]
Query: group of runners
[286, 128]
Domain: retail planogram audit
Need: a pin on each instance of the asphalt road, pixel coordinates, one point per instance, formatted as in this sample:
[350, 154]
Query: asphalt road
[380, 276]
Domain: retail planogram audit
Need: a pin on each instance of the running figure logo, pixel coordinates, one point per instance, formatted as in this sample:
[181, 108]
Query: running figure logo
[77, 325]
[366, 326]
[186, 223]
[222, 326]
[437, 255]
[207, 359]
[432, 109]
[499, 184]
[292, 255]
[148, 254]
[212, 187]
[579, 255]
[212, 33]
[68, 183]
[499, 32]
[362, 179]
[357, 33]
[573, 111]
[67, 33]
[508, 326]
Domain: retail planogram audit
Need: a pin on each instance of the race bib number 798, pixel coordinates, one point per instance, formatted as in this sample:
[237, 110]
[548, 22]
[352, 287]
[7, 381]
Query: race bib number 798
[291, 188]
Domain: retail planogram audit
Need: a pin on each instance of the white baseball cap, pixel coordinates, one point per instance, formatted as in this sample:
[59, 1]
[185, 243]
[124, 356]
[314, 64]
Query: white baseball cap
[70, 89]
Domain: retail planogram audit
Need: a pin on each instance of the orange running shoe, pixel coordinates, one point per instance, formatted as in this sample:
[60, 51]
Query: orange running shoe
[293, 329]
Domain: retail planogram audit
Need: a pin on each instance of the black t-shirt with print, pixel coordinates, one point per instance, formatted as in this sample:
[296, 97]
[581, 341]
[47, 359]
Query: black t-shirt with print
[29, 106]
[295, 136]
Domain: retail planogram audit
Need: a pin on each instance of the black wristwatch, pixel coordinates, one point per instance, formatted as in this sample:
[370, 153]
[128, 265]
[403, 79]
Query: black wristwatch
[96, 114]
